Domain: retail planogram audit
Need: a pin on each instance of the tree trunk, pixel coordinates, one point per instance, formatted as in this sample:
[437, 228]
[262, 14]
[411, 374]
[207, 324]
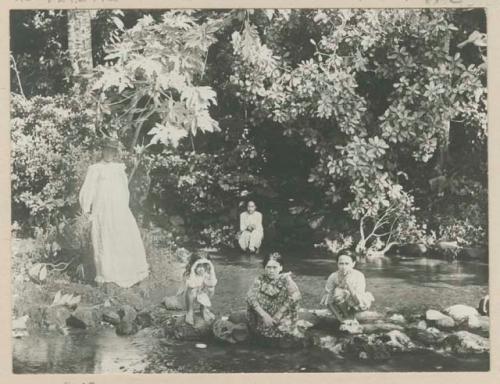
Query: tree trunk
[80, 41]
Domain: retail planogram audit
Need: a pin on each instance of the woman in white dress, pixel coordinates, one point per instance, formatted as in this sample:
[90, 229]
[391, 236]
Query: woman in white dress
[251, 230]
[119, 254]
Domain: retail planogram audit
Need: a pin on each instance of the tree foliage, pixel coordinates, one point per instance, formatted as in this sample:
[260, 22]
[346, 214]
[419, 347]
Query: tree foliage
[334, 121]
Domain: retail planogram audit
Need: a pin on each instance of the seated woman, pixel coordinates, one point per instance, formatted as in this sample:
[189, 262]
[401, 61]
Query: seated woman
[272, 301]
[199, 287]
[345, 290]
[251, 230]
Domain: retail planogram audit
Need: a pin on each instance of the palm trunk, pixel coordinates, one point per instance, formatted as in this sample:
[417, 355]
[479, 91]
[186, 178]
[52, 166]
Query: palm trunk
[80, 41]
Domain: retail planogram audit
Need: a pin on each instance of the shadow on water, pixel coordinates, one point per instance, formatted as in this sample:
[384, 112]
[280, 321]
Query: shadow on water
[399, 284]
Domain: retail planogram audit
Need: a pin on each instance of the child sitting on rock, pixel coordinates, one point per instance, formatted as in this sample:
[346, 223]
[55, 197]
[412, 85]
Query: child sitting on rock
[199, 286]
[345, 290]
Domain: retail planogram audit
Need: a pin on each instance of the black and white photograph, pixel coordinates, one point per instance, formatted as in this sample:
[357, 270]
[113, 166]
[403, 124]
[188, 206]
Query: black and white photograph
[249, 190]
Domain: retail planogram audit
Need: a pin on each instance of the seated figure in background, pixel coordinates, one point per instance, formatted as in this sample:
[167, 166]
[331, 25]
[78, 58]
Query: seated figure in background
[251, 230]
[345, 290]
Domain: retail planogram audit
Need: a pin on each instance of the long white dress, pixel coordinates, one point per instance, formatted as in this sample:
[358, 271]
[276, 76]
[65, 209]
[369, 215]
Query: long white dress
[118, 249]
[251, 240]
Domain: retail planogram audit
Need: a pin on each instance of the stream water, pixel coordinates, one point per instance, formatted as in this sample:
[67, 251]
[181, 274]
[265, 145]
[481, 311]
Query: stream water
[405, 285]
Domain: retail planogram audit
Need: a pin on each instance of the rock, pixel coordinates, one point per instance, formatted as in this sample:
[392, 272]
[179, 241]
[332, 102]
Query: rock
[413, 249]
[127, 324]
[179, 329]
[445, 323]
[475, 253]
[56, 317]
[433, 315]
[373, 347]
[465, 342]
[144, 319]
[239, 316]
[481, 323]
[110, 316]
[172, 303]
[398, 319]
[20, 322]
[368, 316]
[319, 318]
[381, 326]
[85, 317]
[422, 324]
[398, 341]
[460, 313]
[351, 327]
[330, 343]
[19, 326]
[428, 337]
[484, 306]
[230, 332]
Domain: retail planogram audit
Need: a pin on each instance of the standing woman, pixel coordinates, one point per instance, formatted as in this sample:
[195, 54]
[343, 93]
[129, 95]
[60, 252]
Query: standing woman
[119, 254]
[251, 230]
[273, 301]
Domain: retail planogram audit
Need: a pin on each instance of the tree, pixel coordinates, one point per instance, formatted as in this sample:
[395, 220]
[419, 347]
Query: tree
[359, 141]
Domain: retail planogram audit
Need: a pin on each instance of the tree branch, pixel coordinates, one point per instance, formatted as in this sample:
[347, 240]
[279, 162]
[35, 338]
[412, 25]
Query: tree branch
[14, 67]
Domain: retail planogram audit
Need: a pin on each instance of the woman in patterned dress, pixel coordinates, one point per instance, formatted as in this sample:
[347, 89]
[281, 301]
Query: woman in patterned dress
[273, 301]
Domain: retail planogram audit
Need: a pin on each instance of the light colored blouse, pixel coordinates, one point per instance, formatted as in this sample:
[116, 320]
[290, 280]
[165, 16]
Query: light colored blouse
[255, 219]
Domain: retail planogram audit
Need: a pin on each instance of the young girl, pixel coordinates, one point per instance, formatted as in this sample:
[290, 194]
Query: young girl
[199, 287]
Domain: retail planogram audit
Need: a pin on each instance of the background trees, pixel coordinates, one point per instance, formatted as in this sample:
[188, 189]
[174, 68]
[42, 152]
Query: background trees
[332, 120]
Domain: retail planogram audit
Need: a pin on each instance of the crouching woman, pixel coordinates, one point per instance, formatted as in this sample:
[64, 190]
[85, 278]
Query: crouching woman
[273, 301]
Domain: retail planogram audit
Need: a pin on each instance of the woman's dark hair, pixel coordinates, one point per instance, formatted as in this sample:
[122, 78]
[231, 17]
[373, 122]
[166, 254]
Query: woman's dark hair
[348, 254]
[193, 259]
[275, 256]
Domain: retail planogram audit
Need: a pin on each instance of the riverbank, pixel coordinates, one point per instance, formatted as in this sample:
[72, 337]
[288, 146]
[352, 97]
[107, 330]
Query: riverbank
[404, 287]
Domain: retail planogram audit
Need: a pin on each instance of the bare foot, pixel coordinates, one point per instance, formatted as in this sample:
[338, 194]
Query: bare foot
[190, 318]
[207, 315]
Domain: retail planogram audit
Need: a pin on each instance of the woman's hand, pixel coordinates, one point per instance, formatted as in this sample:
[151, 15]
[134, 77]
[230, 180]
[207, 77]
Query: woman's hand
[325, 299]
[268, 320]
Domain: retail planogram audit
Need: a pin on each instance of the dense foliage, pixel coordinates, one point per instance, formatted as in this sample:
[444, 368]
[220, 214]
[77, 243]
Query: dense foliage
[339, 123]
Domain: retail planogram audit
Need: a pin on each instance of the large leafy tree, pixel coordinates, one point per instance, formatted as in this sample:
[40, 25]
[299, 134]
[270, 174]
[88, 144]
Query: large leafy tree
[378, 94]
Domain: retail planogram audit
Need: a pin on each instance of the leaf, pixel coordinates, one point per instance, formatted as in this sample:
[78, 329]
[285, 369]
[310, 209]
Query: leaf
[34, 271]
[43, 273]
[117, 21]
[269, 13]
[57, 299]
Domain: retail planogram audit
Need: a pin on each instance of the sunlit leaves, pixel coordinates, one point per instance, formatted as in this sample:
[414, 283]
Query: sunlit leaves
[158, 65]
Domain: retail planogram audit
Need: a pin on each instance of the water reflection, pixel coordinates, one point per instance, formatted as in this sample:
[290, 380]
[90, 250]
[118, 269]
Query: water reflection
[402, 284]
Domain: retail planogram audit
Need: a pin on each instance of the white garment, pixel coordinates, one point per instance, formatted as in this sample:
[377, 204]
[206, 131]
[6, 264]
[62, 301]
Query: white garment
[251, 238]
[118, 249]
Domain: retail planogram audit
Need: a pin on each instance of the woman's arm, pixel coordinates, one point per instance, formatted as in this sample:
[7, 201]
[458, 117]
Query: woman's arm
[252, 299]
[87, 191]
[243, 222]
[329, 288]
[293, 295]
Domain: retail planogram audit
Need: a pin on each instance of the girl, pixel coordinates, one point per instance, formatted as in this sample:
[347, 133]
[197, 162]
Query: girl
[199, 287]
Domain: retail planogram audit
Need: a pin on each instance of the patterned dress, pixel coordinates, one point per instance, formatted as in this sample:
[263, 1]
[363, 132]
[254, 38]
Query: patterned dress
[272, 295]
